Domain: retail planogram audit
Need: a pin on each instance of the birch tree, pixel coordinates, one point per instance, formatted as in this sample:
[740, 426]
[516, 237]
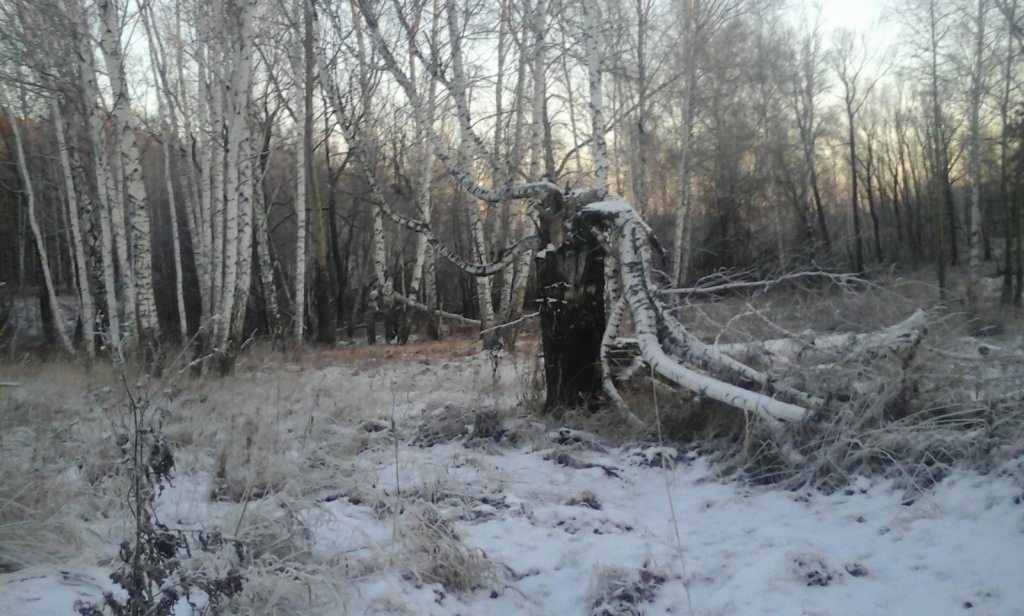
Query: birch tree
[977, 88]
[87, 305]
[168, 116]
[465, 160]
[129, 164]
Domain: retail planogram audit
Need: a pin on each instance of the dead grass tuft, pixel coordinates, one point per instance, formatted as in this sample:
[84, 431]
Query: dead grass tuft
[618, 591]
[38, 490]
[436, 555]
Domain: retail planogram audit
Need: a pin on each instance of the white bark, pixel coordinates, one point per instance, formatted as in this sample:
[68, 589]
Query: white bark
[167, 115]
[131, 167]
[780, 352]
[385, 285]
[299, 318]
[424, 182]
[87, 305]
[238, 181]
[119, 229]
[976, 90]
[216, 57]
[516, 283]
[639, 292]
[87, 83]
[538, 26]
[682, 229]
[483, 283]
[208, 139]
[262, 239]
[594, 54]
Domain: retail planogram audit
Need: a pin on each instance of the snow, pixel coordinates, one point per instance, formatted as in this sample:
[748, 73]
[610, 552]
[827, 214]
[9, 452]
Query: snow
[611, 206]
[548, 516]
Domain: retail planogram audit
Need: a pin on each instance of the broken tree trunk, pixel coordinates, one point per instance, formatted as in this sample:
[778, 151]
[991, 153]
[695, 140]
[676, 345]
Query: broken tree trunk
[570, 281]
[663, 343]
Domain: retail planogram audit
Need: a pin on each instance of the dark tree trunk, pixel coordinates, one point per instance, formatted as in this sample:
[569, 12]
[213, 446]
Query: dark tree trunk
[371, 318]
[858, 245]
[570, 283]
[47, 322]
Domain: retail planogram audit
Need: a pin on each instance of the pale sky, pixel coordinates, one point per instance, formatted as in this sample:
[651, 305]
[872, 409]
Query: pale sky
[860, 15]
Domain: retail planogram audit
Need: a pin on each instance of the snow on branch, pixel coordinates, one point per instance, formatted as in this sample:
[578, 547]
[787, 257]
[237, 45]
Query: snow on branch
[840, 279]
[655, 329]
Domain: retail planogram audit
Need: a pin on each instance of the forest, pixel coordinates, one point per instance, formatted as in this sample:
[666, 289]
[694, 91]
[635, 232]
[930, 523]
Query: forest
[495, 307]
[188, 172]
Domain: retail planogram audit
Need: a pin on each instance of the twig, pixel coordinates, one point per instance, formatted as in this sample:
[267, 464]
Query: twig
[510, 323]
[434, 311]
[839, 279]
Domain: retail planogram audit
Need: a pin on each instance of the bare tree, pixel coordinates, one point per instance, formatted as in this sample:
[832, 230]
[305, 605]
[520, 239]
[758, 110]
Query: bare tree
[130, 165]
[977, 88]
[850, 62]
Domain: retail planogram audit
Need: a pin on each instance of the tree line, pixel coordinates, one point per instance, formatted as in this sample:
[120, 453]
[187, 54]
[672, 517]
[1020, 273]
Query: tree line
[208, 172]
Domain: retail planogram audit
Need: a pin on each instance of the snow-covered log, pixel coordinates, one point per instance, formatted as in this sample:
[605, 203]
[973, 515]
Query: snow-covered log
[895, 340]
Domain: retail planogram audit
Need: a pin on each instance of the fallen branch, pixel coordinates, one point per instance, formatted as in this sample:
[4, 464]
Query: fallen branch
[502, 326]
[437, 312]
[634, 242]
[738, 285]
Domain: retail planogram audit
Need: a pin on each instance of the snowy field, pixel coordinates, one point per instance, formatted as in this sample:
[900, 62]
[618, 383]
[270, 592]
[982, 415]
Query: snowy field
[416, 481]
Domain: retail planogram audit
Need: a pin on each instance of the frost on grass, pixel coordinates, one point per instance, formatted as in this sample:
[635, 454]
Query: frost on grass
[434, 554]
[39, 493]
[624, 592]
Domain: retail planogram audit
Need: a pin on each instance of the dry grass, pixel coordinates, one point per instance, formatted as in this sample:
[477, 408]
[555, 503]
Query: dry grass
[43, 444]
[434, 554]
[285, 431]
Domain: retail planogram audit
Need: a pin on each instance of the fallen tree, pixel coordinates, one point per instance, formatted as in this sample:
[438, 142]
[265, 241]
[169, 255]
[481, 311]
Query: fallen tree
[594, 264]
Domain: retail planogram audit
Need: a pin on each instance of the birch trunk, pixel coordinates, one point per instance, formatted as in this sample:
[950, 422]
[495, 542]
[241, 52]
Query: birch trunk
[594, 51]
[326, 313]
[483, 284]
[299, 317]
[682, 229]
[424, 255]
[168, 118]
[119, 229]
[515, 285]
[134, 189]
[208, 168]
[266, 265]
[1010, 208]
[538, 25]
[974, 163]
[384, 286]
[238, 182]
[215, 171]
[87, 306]
[101, 169]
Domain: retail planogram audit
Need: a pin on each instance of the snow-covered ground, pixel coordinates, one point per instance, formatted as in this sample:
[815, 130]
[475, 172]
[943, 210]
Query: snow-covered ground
[418, 484]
